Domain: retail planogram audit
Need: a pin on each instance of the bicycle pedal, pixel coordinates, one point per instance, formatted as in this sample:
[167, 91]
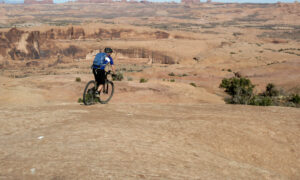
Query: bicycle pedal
[97, 93]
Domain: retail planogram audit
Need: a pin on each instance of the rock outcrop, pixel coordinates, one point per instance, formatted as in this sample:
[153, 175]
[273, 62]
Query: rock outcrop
[155, 56]
[19, 45]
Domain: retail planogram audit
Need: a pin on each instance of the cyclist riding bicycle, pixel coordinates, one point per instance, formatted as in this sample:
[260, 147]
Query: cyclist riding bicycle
[99, 64]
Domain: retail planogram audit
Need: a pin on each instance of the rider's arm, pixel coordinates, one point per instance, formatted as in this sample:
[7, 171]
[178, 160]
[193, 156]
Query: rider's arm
[113, 69]
[112, 64]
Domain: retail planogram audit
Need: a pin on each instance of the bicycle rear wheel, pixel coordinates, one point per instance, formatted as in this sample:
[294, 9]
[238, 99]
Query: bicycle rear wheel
[89, 93]
[107, 92]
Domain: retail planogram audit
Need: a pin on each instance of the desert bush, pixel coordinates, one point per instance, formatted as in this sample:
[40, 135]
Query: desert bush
[78, 79]
[182, 75]
[172, 80]
[129, 78]
[143, 80]
[295, 98]
[193, 84]
[171, 74]
[80, 100]
[271, 91]
[118, 76]
[261, 101]
[240, 90]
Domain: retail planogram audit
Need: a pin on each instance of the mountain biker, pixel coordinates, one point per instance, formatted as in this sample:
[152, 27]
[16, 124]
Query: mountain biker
[99, 70]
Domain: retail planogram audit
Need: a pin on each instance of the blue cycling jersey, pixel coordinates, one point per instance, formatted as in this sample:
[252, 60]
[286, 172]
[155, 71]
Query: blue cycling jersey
[108, 59]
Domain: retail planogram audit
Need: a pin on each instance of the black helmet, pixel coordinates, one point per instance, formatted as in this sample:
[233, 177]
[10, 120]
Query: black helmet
[108, 50]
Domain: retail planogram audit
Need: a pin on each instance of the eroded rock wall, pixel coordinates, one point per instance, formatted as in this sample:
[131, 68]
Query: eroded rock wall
[17, 44]
[155, 56]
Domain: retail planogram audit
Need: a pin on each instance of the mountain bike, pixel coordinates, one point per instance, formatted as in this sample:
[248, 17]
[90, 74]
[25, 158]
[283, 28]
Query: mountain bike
[89, 94]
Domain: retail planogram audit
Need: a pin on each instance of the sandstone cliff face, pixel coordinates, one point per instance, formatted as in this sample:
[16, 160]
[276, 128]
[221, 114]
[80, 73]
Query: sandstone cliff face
[156, 57]
[79, 33]
[70, 33]
[19, 45]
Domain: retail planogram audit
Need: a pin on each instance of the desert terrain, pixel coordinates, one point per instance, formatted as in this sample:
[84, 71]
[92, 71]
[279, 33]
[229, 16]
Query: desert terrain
[176, 125]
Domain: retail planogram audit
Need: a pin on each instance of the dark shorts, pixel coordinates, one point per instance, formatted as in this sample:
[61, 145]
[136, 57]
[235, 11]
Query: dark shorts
[99, 75]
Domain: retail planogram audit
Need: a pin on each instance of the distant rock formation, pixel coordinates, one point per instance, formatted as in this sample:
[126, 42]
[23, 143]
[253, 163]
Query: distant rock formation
[190, 1]
[38, 1]
[17, 44]
[94, 1]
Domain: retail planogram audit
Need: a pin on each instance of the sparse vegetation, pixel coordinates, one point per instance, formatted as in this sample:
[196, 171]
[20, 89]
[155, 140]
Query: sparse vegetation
[241, 92]
[80, 100]
[118, 76]
[193, 84]
[172, 80]
[182, 75]
[143, 80]
[237, 34]
[261, 101]
[171, 74]
[78, 79]
[129, 78]
[295, 98]
[240, 89]
[271, 91]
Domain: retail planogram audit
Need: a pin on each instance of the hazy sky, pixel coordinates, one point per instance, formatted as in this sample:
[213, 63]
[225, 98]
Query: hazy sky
[236, 1]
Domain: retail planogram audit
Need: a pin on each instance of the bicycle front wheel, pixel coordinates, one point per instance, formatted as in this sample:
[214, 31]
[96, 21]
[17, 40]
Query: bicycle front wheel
[89, 93]
[107, 92]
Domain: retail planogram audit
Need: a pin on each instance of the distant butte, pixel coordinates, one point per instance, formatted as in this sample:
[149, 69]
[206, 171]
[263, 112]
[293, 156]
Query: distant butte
[38, 2]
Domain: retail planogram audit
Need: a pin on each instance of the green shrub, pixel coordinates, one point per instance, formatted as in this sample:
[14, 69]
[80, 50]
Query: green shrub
[80, 100]
[241, 92]
[118, 77]
[143, 80]
[240, 89]
[229, 70]
[271, 91]
[172, 80]
[78, 79]
[193, 84]
[261, 101]
[295, 98]
[171, 74]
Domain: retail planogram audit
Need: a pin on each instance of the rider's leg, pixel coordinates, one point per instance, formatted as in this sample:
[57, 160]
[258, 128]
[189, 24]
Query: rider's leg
[100, 87]
[101, 74]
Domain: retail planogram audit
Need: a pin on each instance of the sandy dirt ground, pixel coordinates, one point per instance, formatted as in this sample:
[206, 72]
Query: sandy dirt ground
[48, 135]
[174, 126]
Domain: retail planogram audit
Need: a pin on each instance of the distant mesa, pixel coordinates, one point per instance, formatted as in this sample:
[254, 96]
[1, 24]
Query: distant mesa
[190, 1]
[94, 1]
[38, 2]
[104, 1]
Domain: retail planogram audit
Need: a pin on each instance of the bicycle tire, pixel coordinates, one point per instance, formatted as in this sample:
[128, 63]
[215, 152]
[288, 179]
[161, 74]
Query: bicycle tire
[89, 93]
[108, 95]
